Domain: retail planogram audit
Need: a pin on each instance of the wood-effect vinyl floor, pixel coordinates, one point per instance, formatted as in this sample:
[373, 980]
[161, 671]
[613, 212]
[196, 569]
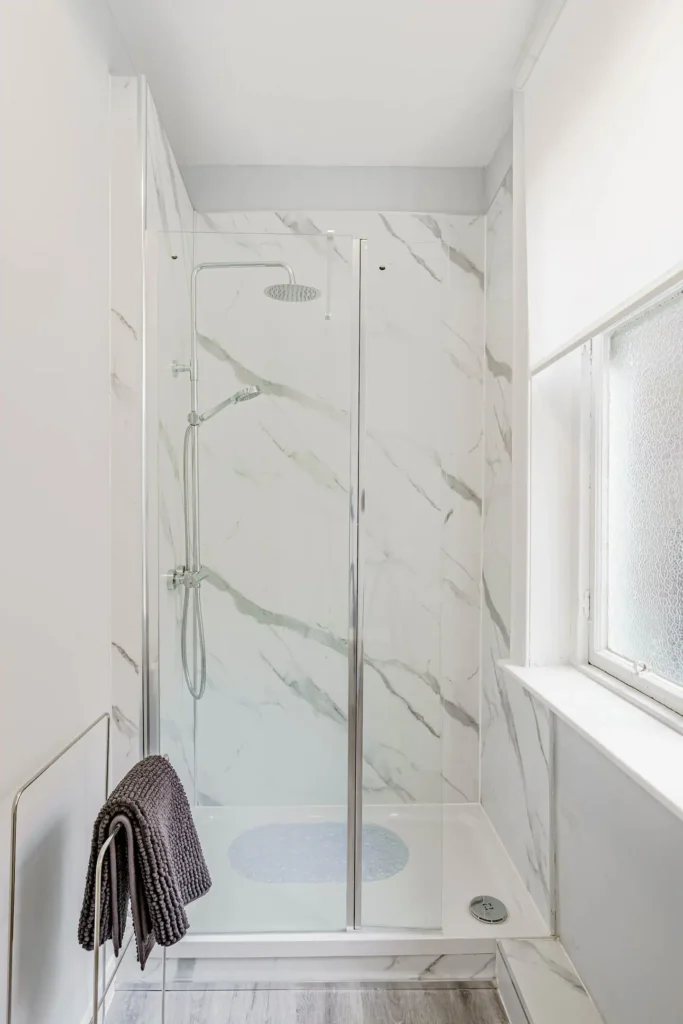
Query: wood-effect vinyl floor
[312, 1006]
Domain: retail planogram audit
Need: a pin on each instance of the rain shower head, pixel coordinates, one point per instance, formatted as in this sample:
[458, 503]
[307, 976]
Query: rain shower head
[291, 292]
[240, 396]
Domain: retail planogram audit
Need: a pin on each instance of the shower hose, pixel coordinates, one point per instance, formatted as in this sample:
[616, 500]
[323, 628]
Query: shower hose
[195, 674]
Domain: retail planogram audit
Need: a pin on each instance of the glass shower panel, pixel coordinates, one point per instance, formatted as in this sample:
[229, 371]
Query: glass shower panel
[264, 751]
[403, 537]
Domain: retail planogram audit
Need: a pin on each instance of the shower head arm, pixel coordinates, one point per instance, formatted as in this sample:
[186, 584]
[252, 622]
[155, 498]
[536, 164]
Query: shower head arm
[244, 266]
[193, 296]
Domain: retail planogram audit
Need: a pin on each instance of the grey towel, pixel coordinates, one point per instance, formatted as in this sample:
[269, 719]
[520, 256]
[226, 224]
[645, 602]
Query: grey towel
[155, 860]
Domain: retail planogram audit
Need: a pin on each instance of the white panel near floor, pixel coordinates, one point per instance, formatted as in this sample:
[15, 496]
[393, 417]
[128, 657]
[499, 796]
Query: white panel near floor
[620, 901]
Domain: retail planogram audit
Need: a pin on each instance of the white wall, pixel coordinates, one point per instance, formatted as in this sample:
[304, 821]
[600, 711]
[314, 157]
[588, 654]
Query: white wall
[55, 59]
[429, 189]
[620, 900]
[604, 161]
[54, 384]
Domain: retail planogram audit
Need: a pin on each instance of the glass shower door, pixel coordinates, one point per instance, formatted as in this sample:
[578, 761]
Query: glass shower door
[403, 542]
[296, 751]
[263, 753]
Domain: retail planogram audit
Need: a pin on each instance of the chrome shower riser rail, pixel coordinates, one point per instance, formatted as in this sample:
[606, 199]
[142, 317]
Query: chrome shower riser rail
[196, 680]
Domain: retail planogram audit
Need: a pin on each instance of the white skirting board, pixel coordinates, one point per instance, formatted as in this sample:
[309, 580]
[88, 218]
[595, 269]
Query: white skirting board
[538, 984]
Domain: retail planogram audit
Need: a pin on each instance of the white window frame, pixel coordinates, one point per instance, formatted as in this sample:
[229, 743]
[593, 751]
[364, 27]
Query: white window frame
[600, 656]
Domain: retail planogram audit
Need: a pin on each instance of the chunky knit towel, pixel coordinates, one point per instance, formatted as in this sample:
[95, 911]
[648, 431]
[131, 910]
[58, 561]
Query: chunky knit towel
[155, 860]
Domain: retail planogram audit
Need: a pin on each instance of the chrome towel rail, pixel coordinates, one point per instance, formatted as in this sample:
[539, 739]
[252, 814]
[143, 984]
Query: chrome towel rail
[98, 1001]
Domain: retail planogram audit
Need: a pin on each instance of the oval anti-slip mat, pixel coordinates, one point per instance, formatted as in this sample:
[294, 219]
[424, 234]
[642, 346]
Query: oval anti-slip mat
[314, 851]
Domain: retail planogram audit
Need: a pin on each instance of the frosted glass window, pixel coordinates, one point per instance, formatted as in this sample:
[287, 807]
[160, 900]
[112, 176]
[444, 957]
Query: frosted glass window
[645, 491]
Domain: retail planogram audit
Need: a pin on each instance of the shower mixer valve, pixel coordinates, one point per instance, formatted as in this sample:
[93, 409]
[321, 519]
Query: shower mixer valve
[182, 577]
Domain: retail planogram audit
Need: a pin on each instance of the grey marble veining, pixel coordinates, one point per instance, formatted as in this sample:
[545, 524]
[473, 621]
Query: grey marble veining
[300, 1006]
[122, 320]
[496, 367]
[462, 489]
[269, 387]
[496, 616]
[382, 760]
[126, 657]
[245, 606]
[454, 255]
[416, 256]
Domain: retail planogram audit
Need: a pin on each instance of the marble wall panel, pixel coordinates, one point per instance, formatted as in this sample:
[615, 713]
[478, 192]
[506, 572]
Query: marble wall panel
[274, 481]
[516, 730]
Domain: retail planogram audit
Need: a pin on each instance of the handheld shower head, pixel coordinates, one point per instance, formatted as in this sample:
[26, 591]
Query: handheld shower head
[245, 394]
[240, 396]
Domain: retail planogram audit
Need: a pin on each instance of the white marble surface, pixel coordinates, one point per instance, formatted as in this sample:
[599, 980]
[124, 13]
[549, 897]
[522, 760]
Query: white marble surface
[516, 730]
[647, 750]
[274, 482]
[546, 982]
[263, 971]
[432, 891]
[512, 1004]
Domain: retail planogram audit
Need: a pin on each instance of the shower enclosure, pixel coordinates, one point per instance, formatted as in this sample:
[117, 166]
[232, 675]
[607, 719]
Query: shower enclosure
[308, 741]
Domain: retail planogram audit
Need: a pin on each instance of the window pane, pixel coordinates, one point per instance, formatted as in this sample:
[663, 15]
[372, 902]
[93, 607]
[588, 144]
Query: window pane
[645, 490]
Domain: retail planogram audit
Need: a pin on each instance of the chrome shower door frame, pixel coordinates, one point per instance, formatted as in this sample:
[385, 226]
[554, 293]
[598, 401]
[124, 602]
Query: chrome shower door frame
[356, 603]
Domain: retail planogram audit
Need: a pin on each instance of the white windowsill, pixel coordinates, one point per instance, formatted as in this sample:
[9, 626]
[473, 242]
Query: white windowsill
[643, 746]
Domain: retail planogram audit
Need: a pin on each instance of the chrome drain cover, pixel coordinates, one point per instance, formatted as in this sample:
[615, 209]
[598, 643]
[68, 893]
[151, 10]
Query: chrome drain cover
[488, 909]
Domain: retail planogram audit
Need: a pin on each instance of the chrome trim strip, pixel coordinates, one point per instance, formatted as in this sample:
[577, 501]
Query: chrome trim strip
[355, 701]
[360, 600]
[353, 596]
[149, 736]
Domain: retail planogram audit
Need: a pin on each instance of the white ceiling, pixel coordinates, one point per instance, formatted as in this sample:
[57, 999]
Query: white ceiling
[314, 83]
